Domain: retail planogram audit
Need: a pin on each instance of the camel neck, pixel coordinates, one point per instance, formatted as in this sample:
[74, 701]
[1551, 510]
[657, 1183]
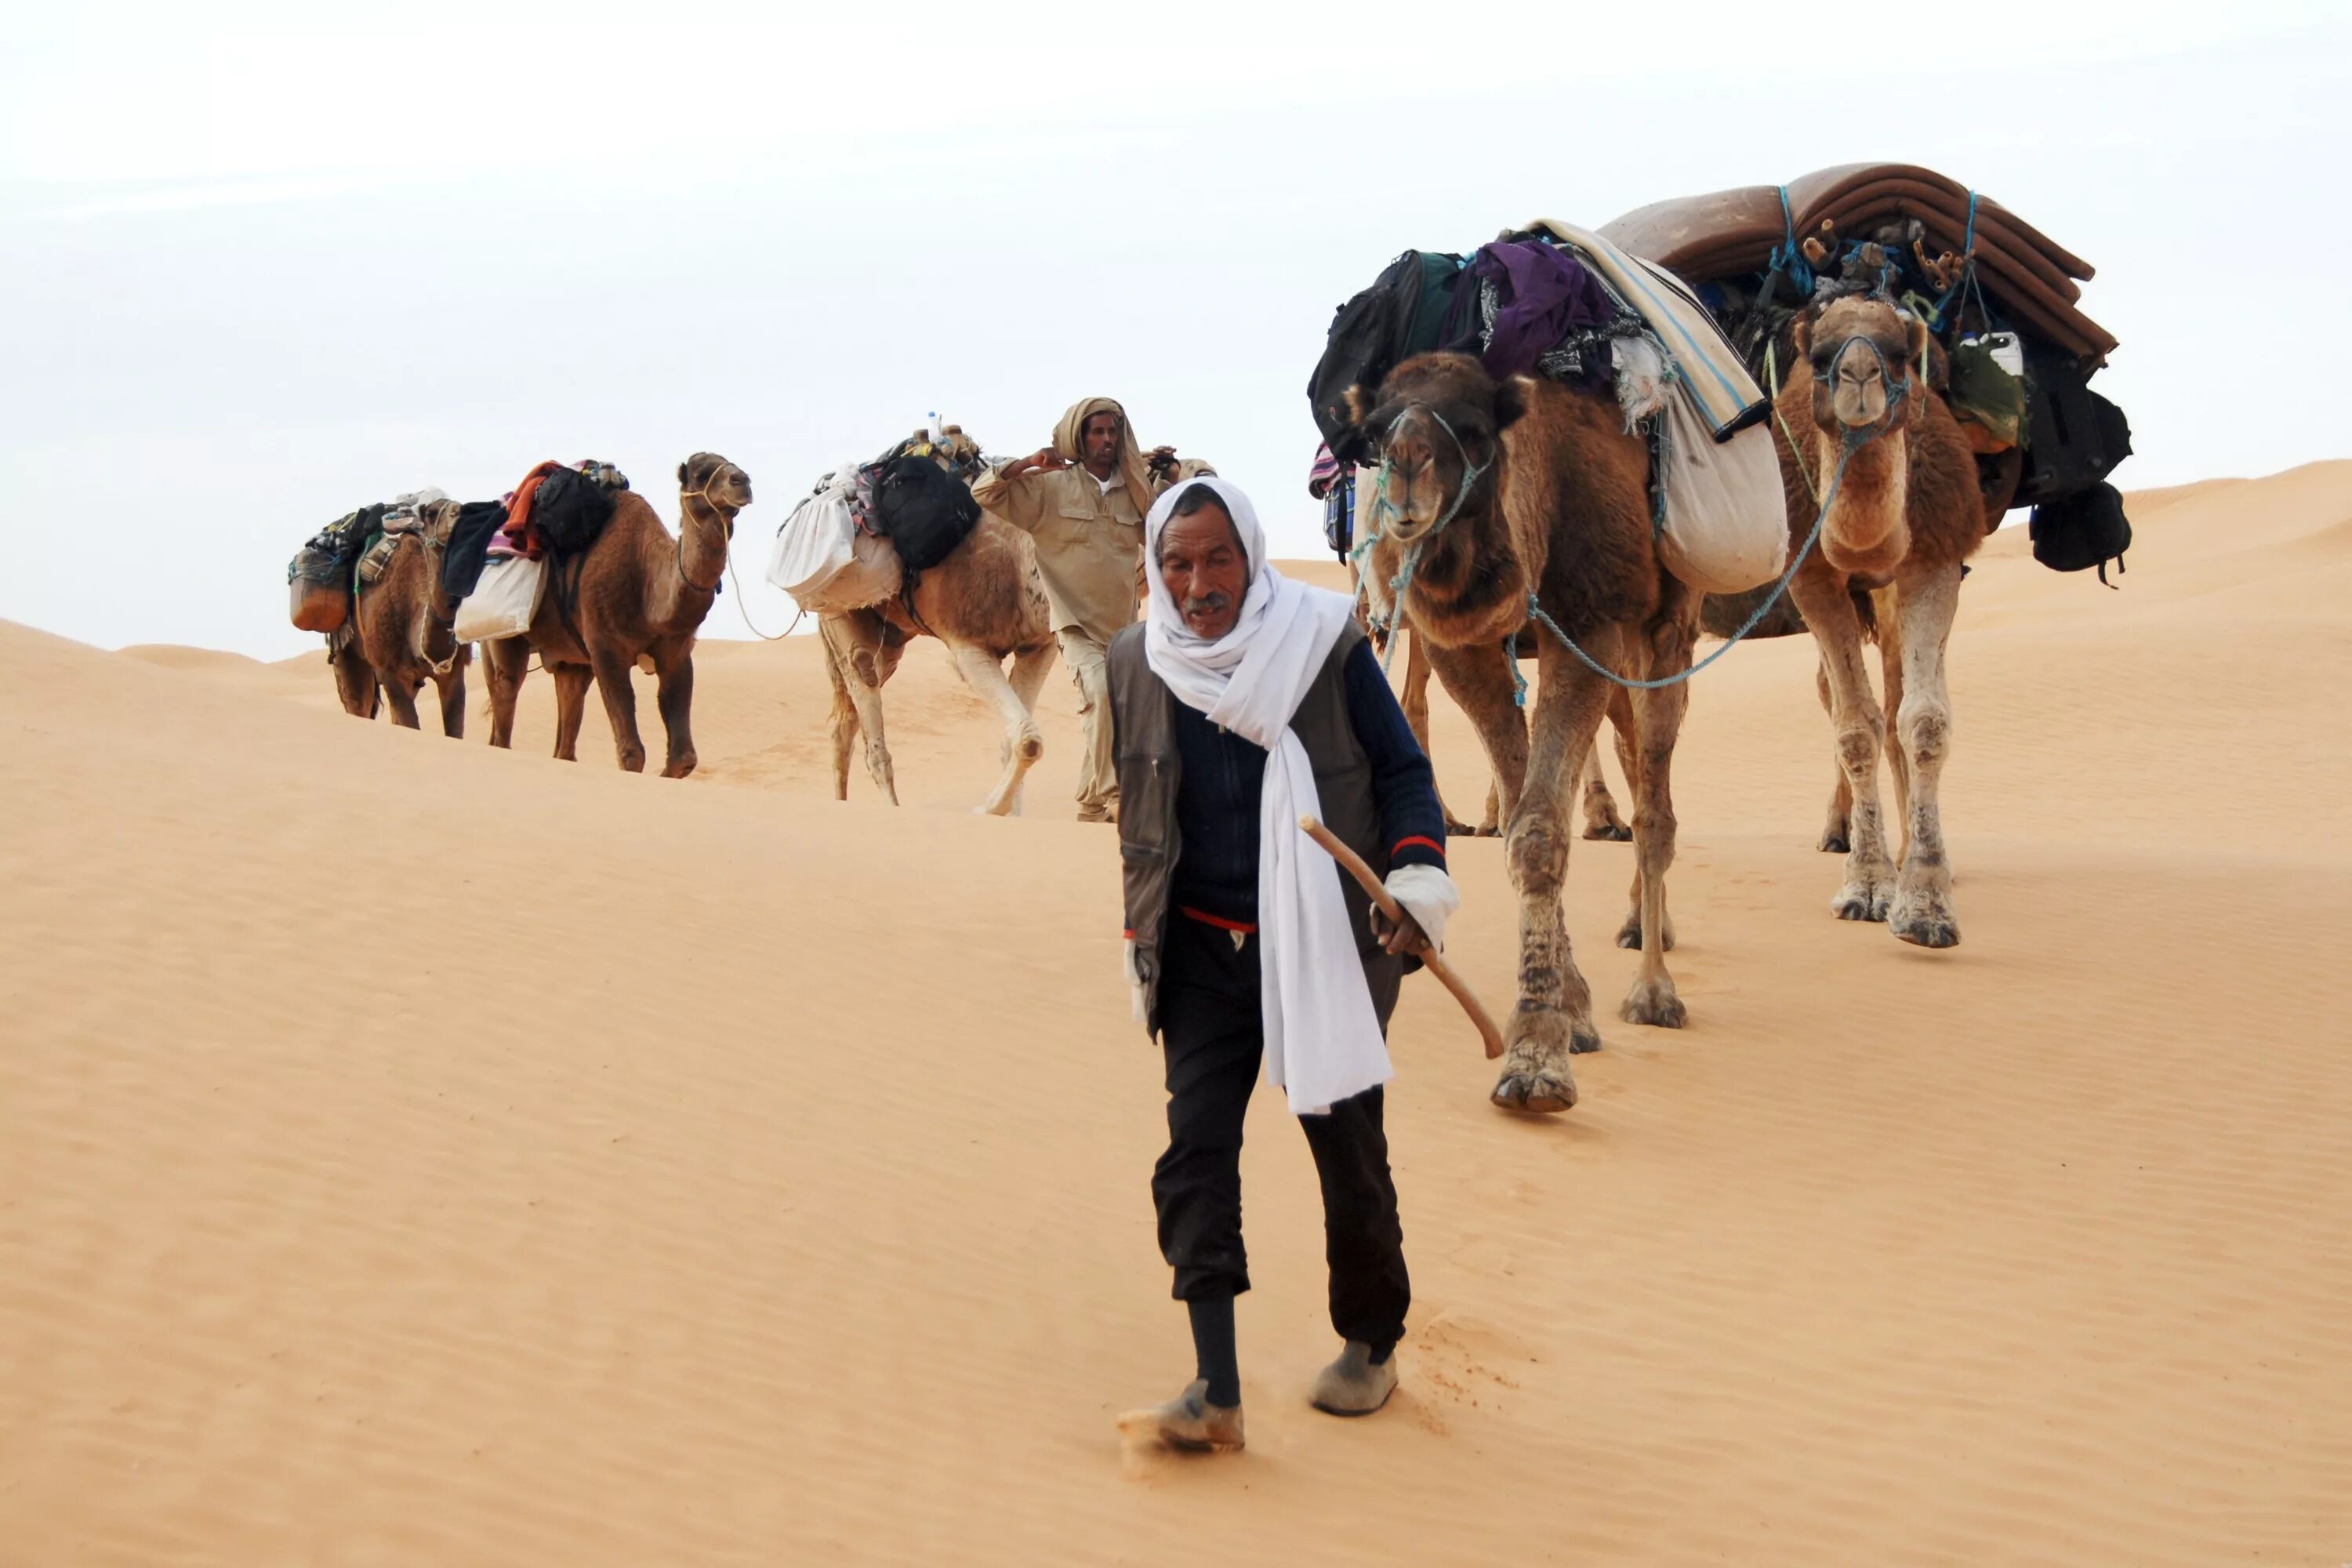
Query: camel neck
[701, 550]
[1867, 518]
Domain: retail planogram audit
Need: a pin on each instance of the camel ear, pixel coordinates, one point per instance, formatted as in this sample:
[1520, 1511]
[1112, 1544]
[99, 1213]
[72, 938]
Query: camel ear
[681, 473]
[1920, 337]
[1801, 333]
[1510, 402]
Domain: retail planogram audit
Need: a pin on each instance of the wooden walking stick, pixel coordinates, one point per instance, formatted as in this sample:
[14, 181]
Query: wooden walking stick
[1354, 866]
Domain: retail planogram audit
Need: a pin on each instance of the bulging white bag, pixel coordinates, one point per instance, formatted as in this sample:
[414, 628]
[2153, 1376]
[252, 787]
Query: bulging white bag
[1727, 521]
[826, 563]
[503, 601]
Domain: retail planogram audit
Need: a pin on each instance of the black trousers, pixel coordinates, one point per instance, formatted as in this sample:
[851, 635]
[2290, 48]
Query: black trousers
[1213, 1032]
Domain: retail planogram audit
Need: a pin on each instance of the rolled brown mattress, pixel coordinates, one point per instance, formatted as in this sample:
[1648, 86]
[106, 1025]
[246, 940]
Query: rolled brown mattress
[1726, 234]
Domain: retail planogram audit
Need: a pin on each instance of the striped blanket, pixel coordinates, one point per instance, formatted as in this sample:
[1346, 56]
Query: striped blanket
[1728, 396]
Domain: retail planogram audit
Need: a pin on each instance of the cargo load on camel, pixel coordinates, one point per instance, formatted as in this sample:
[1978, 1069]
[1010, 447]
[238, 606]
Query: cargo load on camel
[350, 552]
[2015, 352]
[1556, 302]
[496, 566]
[869, 531]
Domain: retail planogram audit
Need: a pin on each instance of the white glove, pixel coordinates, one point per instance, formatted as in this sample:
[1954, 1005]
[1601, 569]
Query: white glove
[1135, 1003]
[1429, 896]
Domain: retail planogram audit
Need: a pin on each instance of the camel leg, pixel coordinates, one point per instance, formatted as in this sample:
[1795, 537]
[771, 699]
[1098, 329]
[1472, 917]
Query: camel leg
[1024, 741]
[1415, 702]
[841, 723]
[1657, 720]
[1890, 700]
[1834, 836]
[1029, 668]
[861, 665]
[402, 699]
[620, 694]
[1622, 723]
[673, 695]
[452, 686]
[1600, 818]
[1923, 895]
[1533, 770]
[1861, 733]
[505, 663]
[571, 706]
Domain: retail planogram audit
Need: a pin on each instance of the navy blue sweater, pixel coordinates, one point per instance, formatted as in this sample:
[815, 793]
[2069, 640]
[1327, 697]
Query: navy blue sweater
[1224, 776]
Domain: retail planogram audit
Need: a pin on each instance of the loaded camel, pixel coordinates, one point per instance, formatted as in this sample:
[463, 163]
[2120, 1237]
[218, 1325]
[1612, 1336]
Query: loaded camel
[637, 593]
[1503, 488]
[401, 623]
[1907, 514]
[986, 602]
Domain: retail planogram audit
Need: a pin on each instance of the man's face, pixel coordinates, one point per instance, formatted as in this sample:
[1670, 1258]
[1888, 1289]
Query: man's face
[1098, 443]
[1205, 569]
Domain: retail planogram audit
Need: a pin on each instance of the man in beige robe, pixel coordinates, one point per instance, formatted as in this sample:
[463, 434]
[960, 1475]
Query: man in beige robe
[1083, 499]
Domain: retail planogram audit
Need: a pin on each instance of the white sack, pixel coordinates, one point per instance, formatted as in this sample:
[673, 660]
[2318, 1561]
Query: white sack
[1727, 522]
[503, 601]
[825, 564]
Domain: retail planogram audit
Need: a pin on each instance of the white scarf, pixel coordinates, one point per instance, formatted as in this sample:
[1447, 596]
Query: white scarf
[1323, 1040]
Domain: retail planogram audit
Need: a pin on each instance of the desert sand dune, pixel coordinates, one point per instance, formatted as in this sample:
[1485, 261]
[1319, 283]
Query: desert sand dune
[413, 1153]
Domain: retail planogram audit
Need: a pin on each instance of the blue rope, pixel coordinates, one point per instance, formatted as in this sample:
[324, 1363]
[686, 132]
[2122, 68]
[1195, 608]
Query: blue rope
[1968, 268]
[1511, 656]
[1897, 392]
[1790, 257]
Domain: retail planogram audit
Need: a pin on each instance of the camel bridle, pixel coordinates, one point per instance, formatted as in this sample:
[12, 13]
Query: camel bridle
[726, 535]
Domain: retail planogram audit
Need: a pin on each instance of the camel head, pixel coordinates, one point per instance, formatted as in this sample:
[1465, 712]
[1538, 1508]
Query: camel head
[1437, 422]
[1865, 353]
[712, 478]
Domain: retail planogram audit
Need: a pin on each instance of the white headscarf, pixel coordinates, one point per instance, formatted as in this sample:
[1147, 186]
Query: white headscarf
[1322, 1037]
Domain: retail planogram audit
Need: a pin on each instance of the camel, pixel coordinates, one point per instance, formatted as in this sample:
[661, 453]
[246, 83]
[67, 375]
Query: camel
[1907, 513]
[638, 593]
[402, 624]
[985, 602]
[1498, 489]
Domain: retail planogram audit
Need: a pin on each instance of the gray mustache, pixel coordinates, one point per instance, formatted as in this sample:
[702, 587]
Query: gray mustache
[1208, 602]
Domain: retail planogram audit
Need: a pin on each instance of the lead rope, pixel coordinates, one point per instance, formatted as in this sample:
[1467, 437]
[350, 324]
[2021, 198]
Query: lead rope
[726, 569]
[1382, 505]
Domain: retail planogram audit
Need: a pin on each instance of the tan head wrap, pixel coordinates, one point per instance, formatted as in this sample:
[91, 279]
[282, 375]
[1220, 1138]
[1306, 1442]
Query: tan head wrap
[1070, 441]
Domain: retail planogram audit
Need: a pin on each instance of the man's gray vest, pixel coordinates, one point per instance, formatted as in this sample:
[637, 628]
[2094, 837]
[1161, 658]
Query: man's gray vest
[1150, 771]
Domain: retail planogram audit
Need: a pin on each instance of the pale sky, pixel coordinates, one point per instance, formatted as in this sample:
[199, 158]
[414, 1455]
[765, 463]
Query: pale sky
[263, 264]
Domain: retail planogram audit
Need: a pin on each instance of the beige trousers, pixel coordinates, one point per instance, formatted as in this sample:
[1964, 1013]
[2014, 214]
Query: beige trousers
[1098, 768]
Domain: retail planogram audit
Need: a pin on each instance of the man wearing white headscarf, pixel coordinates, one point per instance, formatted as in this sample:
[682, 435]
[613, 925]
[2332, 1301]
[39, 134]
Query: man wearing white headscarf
[1243, 701]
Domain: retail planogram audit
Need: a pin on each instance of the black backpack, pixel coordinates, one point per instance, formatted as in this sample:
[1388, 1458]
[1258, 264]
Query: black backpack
[570, 510]
[923, 511]
[2087, 529]
[1402, 314]
[2074, 436]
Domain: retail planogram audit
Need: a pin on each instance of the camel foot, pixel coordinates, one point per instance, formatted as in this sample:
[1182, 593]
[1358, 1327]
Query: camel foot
[1833, 842]
[1459, 829]
[1654, 1004]
[1548, 1093]
[1868, 892]
[1609, 832]
[680, 766]
[1487, 830]
[1925, 920]
[1535, 1067]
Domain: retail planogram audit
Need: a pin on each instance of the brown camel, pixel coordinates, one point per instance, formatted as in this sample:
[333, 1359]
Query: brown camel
[1498, 489]
[1906, 514]
[401, 621]
[986, 602]
[638, 593]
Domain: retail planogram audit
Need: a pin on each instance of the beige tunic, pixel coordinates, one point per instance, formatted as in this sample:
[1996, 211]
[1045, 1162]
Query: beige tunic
[1090, 540]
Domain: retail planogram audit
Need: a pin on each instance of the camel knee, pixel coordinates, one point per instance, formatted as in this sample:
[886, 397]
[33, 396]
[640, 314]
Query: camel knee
[1030, 745]
[1538, 851]
[1926, 729]
[1857, 746]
